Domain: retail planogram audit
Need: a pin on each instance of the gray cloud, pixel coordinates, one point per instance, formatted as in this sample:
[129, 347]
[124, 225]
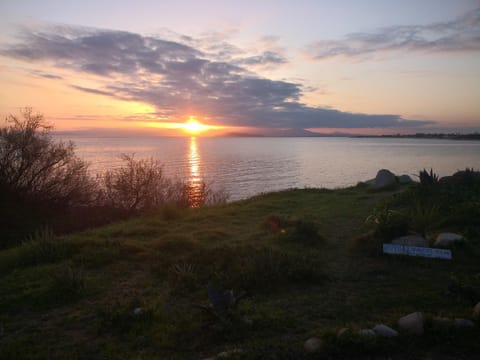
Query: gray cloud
[459, 35]
[178, 79]
[266, 58]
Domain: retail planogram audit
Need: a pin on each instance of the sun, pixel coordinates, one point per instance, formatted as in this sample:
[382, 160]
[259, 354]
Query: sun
[193, 126]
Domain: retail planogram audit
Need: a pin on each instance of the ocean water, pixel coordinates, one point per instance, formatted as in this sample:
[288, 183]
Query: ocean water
[249, 166]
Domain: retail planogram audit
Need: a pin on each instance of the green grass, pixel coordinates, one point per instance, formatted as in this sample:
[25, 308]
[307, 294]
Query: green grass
[74, 297]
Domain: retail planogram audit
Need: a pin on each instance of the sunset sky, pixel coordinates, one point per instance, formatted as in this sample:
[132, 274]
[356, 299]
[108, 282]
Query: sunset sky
[372, 66]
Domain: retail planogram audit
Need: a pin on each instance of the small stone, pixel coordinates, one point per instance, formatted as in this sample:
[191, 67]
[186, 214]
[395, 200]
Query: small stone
[412, 323]
[447, 239]
[138, 311]
[411, 240]
[476, 311]
[229, 353]
[367, 333]
[343, 333]
[463, 323]
[312, 345]
[385, 331]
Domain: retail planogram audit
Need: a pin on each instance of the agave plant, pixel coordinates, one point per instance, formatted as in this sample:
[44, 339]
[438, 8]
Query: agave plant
[427, 178]
[222, 303]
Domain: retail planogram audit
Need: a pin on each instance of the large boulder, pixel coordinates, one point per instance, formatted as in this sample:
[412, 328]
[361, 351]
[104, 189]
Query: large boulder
[447, 239]
[412, 323]
[405, 179]
[411, 240]
[384, 179]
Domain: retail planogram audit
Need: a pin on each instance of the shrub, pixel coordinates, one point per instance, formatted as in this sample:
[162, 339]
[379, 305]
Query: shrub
[388, 223]
[141, 186]
[298, 231]
[138, 185]
[36, 169]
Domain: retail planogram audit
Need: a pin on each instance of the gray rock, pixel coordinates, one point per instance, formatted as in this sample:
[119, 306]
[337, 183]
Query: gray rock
[343, 333]
[138, 311]
[447, 239]
[411, 240]
[312, 345]
[229, 353]
[463, 324]
[367, 333]
[405, 179]
[476, 311]
[384, 179]
[412, 323]
[385, 331]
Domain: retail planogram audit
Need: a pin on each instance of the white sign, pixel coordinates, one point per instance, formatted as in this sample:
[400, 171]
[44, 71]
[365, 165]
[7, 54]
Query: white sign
[417, 251]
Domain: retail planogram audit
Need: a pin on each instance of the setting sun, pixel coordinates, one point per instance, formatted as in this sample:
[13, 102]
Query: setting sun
[193, 126]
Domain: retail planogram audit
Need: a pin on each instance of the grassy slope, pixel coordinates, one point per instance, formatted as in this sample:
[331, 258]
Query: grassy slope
[131, 264]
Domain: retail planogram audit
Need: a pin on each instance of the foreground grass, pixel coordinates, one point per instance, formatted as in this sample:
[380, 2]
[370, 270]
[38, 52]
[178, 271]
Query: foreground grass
[75, 297]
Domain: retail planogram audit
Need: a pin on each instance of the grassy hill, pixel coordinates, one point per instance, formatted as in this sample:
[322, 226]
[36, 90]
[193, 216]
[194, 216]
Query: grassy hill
[135, 289]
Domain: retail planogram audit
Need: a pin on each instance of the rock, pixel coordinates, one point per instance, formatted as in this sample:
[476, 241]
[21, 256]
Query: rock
[447, 239]
[412, 323]
[138, 311]
[312, 344]
[343, 333]
[367, 333]
[384, 179]
[411, 240]
[476, 311]
[229, 353]
[463, 324]
[405, 179]
[385, 331]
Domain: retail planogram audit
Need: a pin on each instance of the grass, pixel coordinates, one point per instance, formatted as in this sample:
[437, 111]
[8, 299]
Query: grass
[75, 296]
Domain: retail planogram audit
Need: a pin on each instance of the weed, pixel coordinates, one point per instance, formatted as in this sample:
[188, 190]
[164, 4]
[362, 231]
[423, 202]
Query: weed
[43, 247]
[69, 280]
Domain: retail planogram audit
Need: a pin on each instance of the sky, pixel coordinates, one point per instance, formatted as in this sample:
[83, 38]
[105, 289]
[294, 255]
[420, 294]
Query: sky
[366, 67]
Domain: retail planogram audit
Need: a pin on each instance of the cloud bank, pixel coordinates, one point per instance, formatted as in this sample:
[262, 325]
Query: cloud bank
[178, 79]
[459, 35]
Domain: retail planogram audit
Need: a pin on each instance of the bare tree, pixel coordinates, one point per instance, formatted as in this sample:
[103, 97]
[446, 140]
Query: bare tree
[139, 185]
[35, 168]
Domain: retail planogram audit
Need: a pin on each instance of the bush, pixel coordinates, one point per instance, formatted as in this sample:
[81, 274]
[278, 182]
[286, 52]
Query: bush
[388, 223]
[140, 186]
[38, 170]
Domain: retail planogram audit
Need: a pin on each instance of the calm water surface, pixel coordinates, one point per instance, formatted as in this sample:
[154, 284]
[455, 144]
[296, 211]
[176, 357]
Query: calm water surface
[248, 166]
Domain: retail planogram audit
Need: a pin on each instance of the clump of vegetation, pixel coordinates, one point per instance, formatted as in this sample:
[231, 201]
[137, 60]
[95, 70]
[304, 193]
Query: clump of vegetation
[68, 280]
[427, 178]
[44, 247]
[296, 230]
[388, 223]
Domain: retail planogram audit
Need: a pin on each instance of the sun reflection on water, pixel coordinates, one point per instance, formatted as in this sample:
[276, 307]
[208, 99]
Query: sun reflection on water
[196, 187]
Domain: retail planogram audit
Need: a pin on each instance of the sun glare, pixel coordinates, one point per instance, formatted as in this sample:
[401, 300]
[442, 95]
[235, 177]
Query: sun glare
[193, 126]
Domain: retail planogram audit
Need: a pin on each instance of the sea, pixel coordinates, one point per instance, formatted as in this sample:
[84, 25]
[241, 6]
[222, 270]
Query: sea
[246, 166]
